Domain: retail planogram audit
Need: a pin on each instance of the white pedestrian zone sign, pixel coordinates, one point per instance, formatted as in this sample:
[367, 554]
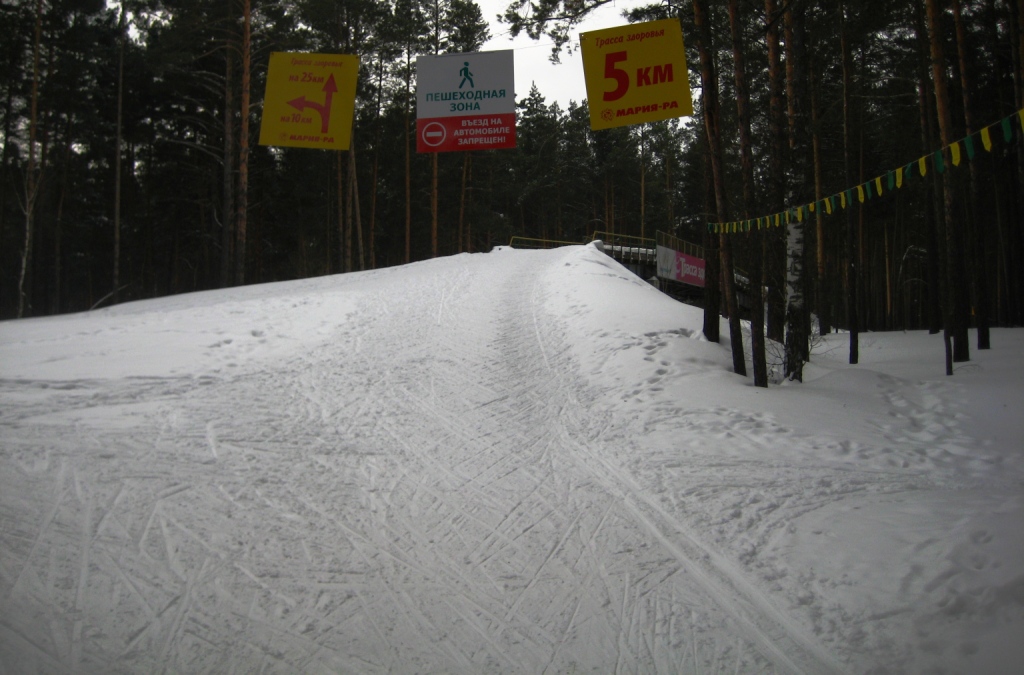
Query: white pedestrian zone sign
[465, 102]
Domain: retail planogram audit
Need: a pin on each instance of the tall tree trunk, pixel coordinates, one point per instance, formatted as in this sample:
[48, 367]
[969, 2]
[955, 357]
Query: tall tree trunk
[712, 125]
[408, 159]
[373, 215]
[978, 243]
[376, 165]
[852, 272]
[797, 349]
[31, 182]
[463, 240]
[1017, 203]
[712, 259]
[433, 205]
[243, 147]
[339, 184]
[823, 294]
[117, 158]
[757, 340]
[349, 198]
[956, 310]
[929, 138]
[888, 274]
[643, 176]
[58, 224]
[774, 275]
[356, 226]
[228, 168]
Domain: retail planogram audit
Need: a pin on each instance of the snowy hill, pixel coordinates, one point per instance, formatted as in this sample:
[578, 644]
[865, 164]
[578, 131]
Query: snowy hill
[516, 462]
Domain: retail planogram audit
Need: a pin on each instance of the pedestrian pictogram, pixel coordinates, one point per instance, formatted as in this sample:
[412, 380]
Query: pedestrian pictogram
[466, 76]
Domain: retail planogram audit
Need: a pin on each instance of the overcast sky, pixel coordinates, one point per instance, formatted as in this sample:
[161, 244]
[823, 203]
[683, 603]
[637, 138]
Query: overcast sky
[562, 82]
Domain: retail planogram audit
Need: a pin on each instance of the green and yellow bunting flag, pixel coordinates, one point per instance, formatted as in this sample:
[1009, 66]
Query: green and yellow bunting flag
[894, 179]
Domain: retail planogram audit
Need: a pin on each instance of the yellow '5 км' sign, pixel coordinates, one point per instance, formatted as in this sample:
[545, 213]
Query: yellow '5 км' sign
[309, 100]
[636, 73]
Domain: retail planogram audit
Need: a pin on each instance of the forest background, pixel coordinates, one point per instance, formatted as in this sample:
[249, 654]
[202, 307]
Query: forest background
[130, 169]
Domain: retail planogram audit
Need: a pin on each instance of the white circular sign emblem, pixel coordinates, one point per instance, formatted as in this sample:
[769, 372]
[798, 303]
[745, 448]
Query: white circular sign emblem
[434, 134]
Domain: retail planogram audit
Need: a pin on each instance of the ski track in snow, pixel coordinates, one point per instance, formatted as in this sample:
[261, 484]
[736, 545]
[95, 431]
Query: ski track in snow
[367, 505]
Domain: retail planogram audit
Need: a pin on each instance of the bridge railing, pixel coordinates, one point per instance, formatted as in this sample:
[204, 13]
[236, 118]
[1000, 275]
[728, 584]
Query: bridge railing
[533, 242]
[627, 248]
[675, 243]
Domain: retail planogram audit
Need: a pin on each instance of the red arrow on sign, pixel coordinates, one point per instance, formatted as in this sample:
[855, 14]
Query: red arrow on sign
[324, 108]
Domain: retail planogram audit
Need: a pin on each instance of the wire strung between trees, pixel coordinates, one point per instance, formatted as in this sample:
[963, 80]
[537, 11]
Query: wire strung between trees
[886, 182]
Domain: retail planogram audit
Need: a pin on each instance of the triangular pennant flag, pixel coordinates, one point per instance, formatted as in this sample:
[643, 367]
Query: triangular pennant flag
[813, 207]
[777, 220]
[922, 167]
[899, 177]
[878, 185]
[891, 179]
[828, 205]
[1007, 130]
[940, 163]
[860, 194]
[955, 149]
[969, 144]
[1020, 114]
[986, 139]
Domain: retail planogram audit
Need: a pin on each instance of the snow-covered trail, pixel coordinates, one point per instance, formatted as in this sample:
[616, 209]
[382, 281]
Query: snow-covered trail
[513, 462]
[361, 505]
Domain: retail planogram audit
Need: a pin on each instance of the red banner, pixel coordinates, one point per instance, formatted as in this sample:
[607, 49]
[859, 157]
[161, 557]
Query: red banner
[677, 266]
[469, 132]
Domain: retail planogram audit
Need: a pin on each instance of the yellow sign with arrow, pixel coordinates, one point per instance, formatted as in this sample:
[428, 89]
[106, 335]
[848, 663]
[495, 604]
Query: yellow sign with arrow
[309, 101]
